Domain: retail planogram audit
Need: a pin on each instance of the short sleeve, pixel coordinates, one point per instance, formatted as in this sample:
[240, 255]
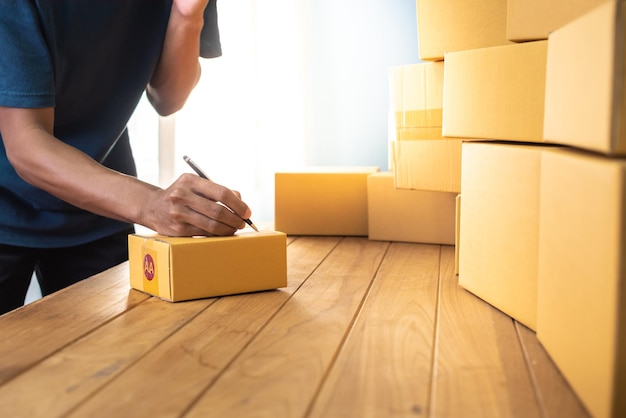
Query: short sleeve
[210, 46]
[26, 72]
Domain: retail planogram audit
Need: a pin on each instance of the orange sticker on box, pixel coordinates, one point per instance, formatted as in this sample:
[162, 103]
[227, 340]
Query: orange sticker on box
[150, 272]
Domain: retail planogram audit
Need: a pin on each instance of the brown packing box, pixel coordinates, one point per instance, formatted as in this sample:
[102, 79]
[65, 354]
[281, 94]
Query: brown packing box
[433, 165]
[177, 269]
[532, 20]
[585, 90]
[499, 232]
[416, 101]
[496, 93]
[322, 201]
[457, 231]
[456, 25]
[581, 308]
[408, 215]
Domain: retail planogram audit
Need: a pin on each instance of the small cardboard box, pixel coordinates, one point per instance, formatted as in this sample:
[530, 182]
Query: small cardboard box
[585, 98]
[533, 20]
[581, 306]
[322, 201]
[416, 101]
[457, 25]
[177, 269]
[409, 215]
[496, 93]
[499, 226]
[433, 165]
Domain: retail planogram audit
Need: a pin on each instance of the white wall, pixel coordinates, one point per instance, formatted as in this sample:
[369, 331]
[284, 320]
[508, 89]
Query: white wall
[352, 44]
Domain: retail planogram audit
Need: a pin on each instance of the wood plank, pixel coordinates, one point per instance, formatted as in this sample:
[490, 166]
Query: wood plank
[479, 368]
[31, 333]
[56, 385]
[384, 368]
[182, 367]
[556, 397]
[279, 372]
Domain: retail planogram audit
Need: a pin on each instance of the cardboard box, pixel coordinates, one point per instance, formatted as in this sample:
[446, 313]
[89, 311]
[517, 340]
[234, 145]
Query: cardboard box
[433, 165]
[532, 20]
[499, 234]
[322, 201]
[496, 93]
[457, 25]
[585, 92]
[177, 269]
[457, 233]
[581, 309]
[416, 101]
[408, 215]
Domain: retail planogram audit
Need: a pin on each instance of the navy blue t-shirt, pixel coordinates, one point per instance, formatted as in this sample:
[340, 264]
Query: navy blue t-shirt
[91, 60]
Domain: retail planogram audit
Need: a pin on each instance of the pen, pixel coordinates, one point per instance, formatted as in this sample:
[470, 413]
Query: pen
[202, 174]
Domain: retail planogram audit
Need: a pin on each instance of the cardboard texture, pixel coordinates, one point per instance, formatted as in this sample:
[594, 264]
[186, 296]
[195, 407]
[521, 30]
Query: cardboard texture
[585, 97]
[177, 269]
[499, 232]
[322, 201]
[408, 215]
[496, 93]
[433, 165]
[532, 20]
[416, 101]
[457, 233]
[457, 25]
[581, 314]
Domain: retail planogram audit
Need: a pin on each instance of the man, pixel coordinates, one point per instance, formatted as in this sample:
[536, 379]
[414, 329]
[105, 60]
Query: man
[71, 74]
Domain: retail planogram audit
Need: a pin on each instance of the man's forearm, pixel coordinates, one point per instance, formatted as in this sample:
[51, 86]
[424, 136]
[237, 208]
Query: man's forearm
[178, 70]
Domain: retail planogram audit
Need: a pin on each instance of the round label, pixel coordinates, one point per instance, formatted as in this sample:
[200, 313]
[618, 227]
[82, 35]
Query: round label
[148, 267]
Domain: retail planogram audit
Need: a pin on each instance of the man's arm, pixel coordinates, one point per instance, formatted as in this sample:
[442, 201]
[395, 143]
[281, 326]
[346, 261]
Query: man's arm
[178, 70]
[187, 207]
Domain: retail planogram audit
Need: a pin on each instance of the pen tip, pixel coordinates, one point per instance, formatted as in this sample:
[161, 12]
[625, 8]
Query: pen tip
[253, 226]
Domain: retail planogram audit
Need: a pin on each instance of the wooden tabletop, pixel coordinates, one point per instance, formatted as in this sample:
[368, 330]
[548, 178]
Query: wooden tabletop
[364, 329]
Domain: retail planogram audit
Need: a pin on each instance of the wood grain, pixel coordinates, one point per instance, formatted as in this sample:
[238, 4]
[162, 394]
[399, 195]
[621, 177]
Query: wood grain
[384, 368]
[479, 366]
[280, 371]
[60, 382]
[556, 397]
[51, 323]
[364, 329]
[185, 365]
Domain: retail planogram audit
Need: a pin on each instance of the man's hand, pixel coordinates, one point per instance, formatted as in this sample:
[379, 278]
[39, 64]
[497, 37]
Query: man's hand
[187, 207]
[195, 206]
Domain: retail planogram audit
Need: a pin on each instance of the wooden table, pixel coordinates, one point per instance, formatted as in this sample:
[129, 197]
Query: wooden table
[364, 329]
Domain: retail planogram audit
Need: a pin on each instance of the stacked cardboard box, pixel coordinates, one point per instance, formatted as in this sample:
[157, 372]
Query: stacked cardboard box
[458, 25]
[581, 307]
[585, 96]
[581, 310]
[499, 234]
[532, 20]
[416, 100]
[542, 231]
[498, 93]
[421, 158]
